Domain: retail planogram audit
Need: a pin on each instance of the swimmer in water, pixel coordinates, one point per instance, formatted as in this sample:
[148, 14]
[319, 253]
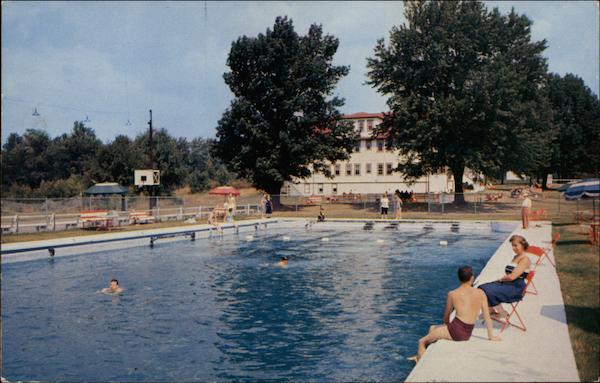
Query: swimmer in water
[113, 288]
[283, 262]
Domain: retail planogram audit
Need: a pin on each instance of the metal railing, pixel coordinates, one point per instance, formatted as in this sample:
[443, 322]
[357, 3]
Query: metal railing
[51, 214]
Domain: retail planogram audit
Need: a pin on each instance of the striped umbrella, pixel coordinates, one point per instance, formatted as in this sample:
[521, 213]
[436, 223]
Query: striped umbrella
[589, 187]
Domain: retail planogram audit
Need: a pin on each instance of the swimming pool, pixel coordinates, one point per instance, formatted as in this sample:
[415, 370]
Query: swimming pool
[348, 308]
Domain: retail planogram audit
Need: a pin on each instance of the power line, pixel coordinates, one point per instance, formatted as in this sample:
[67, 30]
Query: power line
[64, 107]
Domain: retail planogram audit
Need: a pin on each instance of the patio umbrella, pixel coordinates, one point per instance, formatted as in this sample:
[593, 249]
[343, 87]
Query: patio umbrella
[224, 190]
[589, 187]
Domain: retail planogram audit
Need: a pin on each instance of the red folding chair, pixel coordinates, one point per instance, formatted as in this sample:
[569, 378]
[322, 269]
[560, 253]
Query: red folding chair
[541, 254]
[514, 305]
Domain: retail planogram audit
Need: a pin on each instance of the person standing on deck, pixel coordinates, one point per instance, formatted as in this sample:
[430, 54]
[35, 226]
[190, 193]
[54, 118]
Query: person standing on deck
[385, 205]
[398, 203]
[231, 204]
[525, 210]
[268, 206]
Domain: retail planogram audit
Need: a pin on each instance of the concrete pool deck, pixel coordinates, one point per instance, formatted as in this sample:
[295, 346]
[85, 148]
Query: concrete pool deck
[542, 353]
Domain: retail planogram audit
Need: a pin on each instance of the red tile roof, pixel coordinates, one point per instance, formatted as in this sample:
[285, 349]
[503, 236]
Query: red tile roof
[362, 115]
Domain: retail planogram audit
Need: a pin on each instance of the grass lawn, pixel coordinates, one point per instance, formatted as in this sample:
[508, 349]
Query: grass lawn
[578, 267]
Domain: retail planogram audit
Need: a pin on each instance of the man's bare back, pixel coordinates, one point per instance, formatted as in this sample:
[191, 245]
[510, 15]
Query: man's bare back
[467, 302]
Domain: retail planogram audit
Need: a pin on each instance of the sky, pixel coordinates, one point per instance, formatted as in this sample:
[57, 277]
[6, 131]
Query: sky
[108, 63]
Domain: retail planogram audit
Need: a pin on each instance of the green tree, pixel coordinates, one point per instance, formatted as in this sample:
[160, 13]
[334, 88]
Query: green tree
[281, 123]
[118, 160]
[463, 87]
[75, 153]
[169, 158]
[25, 159]
[575, 150]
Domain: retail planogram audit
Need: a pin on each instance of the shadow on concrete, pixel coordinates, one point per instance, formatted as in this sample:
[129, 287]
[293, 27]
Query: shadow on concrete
[555, 312]
[563, 224]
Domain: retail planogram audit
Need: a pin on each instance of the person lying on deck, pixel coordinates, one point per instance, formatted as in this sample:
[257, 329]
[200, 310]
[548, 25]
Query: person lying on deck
[468, 302]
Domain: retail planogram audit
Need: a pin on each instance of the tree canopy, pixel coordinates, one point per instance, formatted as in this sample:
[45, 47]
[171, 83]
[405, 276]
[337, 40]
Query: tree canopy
[283, 122]
[576, 147]
[36, 165]
[465, 89]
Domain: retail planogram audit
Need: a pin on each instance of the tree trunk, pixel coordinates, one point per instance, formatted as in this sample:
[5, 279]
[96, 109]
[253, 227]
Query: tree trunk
[274, 190]
[457, 172]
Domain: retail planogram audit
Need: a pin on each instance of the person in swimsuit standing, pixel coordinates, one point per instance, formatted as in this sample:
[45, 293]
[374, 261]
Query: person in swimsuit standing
[467, 301]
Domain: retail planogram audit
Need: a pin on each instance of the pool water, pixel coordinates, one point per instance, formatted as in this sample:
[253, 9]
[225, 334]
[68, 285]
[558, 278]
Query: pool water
[348, 309]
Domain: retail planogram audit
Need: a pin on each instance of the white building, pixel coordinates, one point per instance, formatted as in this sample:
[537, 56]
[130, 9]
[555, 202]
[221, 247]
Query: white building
[369, 169]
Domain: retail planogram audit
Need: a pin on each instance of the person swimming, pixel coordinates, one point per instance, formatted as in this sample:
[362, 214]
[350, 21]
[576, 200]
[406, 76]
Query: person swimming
[113, 288]
[283, 262]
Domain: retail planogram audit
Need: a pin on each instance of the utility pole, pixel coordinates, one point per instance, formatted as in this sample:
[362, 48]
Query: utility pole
[152, 201]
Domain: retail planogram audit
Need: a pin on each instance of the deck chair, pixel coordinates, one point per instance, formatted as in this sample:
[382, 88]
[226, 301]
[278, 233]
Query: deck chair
[514, 306]
[541, 254]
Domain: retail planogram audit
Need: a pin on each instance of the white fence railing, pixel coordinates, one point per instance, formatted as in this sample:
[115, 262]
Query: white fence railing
[23, 223]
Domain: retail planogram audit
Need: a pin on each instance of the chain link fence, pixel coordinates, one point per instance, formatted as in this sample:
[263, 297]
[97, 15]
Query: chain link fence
[43, 214]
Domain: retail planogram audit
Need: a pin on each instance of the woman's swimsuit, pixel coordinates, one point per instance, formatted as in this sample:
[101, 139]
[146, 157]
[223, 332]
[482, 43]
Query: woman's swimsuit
[459, 330]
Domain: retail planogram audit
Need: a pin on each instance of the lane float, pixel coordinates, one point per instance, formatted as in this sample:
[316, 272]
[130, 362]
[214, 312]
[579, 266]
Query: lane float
[443, 243]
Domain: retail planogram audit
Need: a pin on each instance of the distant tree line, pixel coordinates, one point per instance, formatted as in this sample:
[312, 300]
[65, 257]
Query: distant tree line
[36, 165]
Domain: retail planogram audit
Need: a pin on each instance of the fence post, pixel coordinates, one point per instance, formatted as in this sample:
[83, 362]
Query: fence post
[247, 209]
[46, 205]
[180, 213]
[442, 200]
[16, 224]
[53, 220]
[428, 204]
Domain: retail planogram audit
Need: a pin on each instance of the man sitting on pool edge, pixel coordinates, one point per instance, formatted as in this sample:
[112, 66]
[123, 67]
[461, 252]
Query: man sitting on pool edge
[468, 302]
[113, 288]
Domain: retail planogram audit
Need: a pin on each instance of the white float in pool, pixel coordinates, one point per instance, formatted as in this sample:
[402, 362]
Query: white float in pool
[325, 239]
[443, 243]
[249, 238]
[286, 238]
[380, 241]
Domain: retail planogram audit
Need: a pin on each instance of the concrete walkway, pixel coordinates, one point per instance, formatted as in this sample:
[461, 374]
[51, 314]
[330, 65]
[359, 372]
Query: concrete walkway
[542, 353]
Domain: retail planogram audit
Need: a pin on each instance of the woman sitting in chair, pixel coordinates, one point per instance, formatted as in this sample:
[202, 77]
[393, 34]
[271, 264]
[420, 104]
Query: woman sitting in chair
[509, 287]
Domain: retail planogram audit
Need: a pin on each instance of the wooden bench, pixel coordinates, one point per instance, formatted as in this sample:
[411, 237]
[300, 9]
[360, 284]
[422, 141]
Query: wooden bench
[95, 219]
[136, 217]
[314, 200]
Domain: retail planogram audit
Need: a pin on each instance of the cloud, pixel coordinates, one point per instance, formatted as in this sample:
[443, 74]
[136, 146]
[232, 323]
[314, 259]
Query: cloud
[128, 57]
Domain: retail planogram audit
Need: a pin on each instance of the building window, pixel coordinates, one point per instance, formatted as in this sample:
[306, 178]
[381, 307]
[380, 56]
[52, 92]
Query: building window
[361, 125]
[379, 169]
[356, 169]
[368, 170]
[320, 188]
[368, 144]
[348, 169]
[370, 126]
[357, 146]
[380, 144]
[306, 188]
[388, 169]
[337, 169]
[333, 188]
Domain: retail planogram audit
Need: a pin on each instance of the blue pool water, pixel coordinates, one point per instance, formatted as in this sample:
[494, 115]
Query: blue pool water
[349, 309]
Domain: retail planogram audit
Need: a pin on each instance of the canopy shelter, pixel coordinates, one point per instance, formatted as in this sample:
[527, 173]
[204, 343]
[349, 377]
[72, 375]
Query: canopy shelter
[106, 188]
[224, 190]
